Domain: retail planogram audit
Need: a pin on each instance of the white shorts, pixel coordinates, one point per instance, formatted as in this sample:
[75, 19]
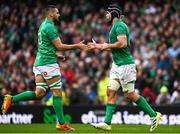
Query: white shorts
[48, 71]
[125, 74]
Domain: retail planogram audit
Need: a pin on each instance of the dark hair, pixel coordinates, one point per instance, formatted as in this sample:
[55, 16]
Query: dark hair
[49, 8]
[115, 10]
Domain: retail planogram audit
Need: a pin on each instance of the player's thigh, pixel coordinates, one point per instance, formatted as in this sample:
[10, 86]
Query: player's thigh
[50, 71]
[52, 76]
[39, 79]
[113, 85]
[112, 88]
[55, 85]
[114, 82]
[41, 86]
[127, 77]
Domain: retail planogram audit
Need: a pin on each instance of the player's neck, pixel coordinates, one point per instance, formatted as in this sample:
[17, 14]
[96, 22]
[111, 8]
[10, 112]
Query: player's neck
[114, 20]
[49, 18]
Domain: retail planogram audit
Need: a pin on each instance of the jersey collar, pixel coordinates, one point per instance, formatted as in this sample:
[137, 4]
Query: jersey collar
[47, 20]
[119, 20]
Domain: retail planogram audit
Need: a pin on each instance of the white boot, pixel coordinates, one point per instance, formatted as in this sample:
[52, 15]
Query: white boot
[102, 125]
[155, 121]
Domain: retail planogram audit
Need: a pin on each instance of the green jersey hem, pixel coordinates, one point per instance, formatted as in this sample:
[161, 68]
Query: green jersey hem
[37, 65]
[124, 63]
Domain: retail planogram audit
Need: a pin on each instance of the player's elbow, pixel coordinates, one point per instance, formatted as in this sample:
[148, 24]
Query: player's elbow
[124, 45]
[60, 47]
[58, 44]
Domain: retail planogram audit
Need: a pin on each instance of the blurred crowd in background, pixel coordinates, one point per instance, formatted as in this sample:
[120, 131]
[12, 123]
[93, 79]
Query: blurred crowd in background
[154, 32]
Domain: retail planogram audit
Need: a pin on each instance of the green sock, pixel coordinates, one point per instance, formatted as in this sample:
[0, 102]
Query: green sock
[24, 96]
[143, 104]
[58, 108]
[110, 108]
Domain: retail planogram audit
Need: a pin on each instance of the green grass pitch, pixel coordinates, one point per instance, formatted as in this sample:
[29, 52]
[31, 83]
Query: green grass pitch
[82, 128]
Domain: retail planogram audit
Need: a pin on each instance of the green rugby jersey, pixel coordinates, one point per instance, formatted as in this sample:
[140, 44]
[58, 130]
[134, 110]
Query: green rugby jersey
[120, 56]
[46, 50]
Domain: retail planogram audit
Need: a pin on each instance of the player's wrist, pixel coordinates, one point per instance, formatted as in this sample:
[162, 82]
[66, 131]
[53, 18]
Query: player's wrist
[105, 46]
[78, 46]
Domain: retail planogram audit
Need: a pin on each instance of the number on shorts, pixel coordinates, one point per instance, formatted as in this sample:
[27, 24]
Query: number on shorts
[44, 74]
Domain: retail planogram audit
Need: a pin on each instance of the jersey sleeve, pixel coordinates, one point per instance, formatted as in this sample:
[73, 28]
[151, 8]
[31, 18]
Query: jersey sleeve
[52, 32]
[120, 30]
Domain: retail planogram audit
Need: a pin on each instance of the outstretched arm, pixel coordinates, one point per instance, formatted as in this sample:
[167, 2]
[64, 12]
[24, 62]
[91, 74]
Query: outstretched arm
[121, 43]
[63, 47]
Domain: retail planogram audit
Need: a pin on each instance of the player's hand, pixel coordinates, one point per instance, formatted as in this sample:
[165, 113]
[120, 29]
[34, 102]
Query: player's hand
[104, 46]
[94, 45]
[81, 45]
[61, 57]
[88, 47]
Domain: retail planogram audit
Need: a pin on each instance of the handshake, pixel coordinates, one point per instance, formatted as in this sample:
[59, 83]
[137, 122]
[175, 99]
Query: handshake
[86, 47]
[92, 45]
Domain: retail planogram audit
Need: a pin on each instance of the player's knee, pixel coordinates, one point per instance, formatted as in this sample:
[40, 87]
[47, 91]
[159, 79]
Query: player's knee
[56, 85]
[128, 87]
[128, 95]
[41, 89]
[56, 92]
[113, 86]
[40, 93]
[132, 96]
[107, 92]
[56, 88]
[111, 94]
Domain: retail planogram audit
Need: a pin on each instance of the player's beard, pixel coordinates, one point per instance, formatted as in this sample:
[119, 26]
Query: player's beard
[108, 18]
[108, 21]
[57, 21]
